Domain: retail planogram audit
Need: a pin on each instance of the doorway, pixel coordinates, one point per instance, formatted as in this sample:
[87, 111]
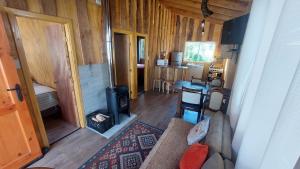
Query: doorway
[141, 49]
[46, 54]
[121, 59]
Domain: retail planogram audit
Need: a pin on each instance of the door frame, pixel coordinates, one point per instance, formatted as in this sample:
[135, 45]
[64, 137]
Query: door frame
[26, 79]
[146, 71]
[132, 72]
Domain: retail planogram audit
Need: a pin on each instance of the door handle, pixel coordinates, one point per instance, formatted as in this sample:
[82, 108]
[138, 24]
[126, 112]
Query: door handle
[18, 91]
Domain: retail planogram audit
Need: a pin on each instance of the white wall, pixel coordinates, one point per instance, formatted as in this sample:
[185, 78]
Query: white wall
[271, 133]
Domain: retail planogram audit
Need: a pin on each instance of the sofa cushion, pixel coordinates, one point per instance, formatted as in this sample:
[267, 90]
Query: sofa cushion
[169, 149]
[228, 164]
[214, 162]
[215, 133]
[226, 139]
[198, 132]
[194, 157]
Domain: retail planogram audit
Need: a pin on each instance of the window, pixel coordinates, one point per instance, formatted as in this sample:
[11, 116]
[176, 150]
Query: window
[199, 51]
[141, 49]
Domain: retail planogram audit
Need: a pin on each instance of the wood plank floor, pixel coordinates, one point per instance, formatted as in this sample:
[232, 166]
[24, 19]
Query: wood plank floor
[71, 152]
[56, 128]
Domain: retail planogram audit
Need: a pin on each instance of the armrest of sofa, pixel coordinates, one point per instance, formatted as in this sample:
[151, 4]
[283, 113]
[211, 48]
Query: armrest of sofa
[167, 152]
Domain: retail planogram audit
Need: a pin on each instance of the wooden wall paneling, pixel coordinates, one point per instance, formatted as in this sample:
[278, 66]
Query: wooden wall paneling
[127, 13]
[177, 33]
[183, 33]
[124, 15]
[159, 31]
[146, 9]
[140, 16]
[116, 12]
[131, 6]
[62, 70]
[35, 6]
[96, 26]
[150, 40]
[17, 4]
[168, 32]
[85, 31]
[38, 55]
[197, 31]
[191, 28]
[168, 24]
[206, 31]
[211, 32]
[163, 30]
[3, 3]
[217, 38]
[68, 9]
[49, 7]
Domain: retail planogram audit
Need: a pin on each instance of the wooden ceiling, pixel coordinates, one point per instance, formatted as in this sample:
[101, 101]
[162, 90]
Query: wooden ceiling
[223, 9]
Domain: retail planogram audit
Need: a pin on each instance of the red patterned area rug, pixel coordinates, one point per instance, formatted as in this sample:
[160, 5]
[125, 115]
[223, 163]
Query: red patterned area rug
[127, 150]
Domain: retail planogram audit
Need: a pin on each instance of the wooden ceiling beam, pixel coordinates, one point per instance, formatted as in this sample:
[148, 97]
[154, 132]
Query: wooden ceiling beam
[197, 6]
[196, 11]
[242, 6]
[194, 15]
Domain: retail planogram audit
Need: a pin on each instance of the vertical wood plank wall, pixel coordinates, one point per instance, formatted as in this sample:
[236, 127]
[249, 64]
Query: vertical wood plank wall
[148, 17]
[189, 29]
[166, 30]
[87, 23]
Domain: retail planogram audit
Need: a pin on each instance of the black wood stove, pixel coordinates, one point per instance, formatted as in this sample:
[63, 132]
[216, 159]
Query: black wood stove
[118, 102]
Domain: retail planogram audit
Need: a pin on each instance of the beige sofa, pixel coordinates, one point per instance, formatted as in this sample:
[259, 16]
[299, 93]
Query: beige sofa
[167, 152]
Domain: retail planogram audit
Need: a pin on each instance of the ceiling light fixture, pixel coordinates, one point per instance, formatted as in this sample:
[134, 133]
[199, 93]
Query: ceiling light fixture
[203, 26]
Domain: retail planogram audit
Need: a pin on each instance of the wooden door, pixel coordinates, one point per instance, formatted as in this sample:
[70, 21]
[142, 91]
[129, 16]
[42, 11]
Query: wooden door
[18, 141]
[122, 48]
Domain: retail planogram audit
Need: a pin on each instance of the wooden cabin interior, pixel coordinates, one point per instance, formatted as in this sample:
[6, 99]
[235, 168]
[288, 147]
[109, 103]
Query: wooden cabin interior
[150, 84]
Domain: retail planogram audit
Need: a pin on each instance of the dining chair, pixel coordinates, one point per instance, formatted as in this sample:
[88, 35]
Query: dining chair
[215, 100]
[191, 100]
[196, 80]
[216, 83]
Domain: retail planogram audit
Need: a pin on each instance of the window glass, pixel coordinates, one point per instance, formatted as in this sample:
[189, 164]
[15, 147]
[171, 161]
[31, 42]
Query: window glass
[199, 51]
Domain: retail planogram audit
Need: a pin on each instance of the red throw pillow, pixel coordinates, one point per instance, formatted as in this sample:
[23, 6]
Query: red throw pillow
[194, 157]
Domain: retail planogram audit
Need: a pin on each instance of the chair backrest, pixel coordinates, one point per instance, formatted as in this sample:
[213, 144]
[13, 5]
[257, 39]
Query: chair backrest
[198, 81]
[216, 83]
[191, 96]
[215, 100]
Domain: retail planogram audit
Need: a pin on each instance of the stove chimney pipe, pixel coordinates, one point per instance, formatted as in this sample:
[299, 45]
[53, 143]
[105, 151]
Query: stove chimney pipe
[108, 39]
